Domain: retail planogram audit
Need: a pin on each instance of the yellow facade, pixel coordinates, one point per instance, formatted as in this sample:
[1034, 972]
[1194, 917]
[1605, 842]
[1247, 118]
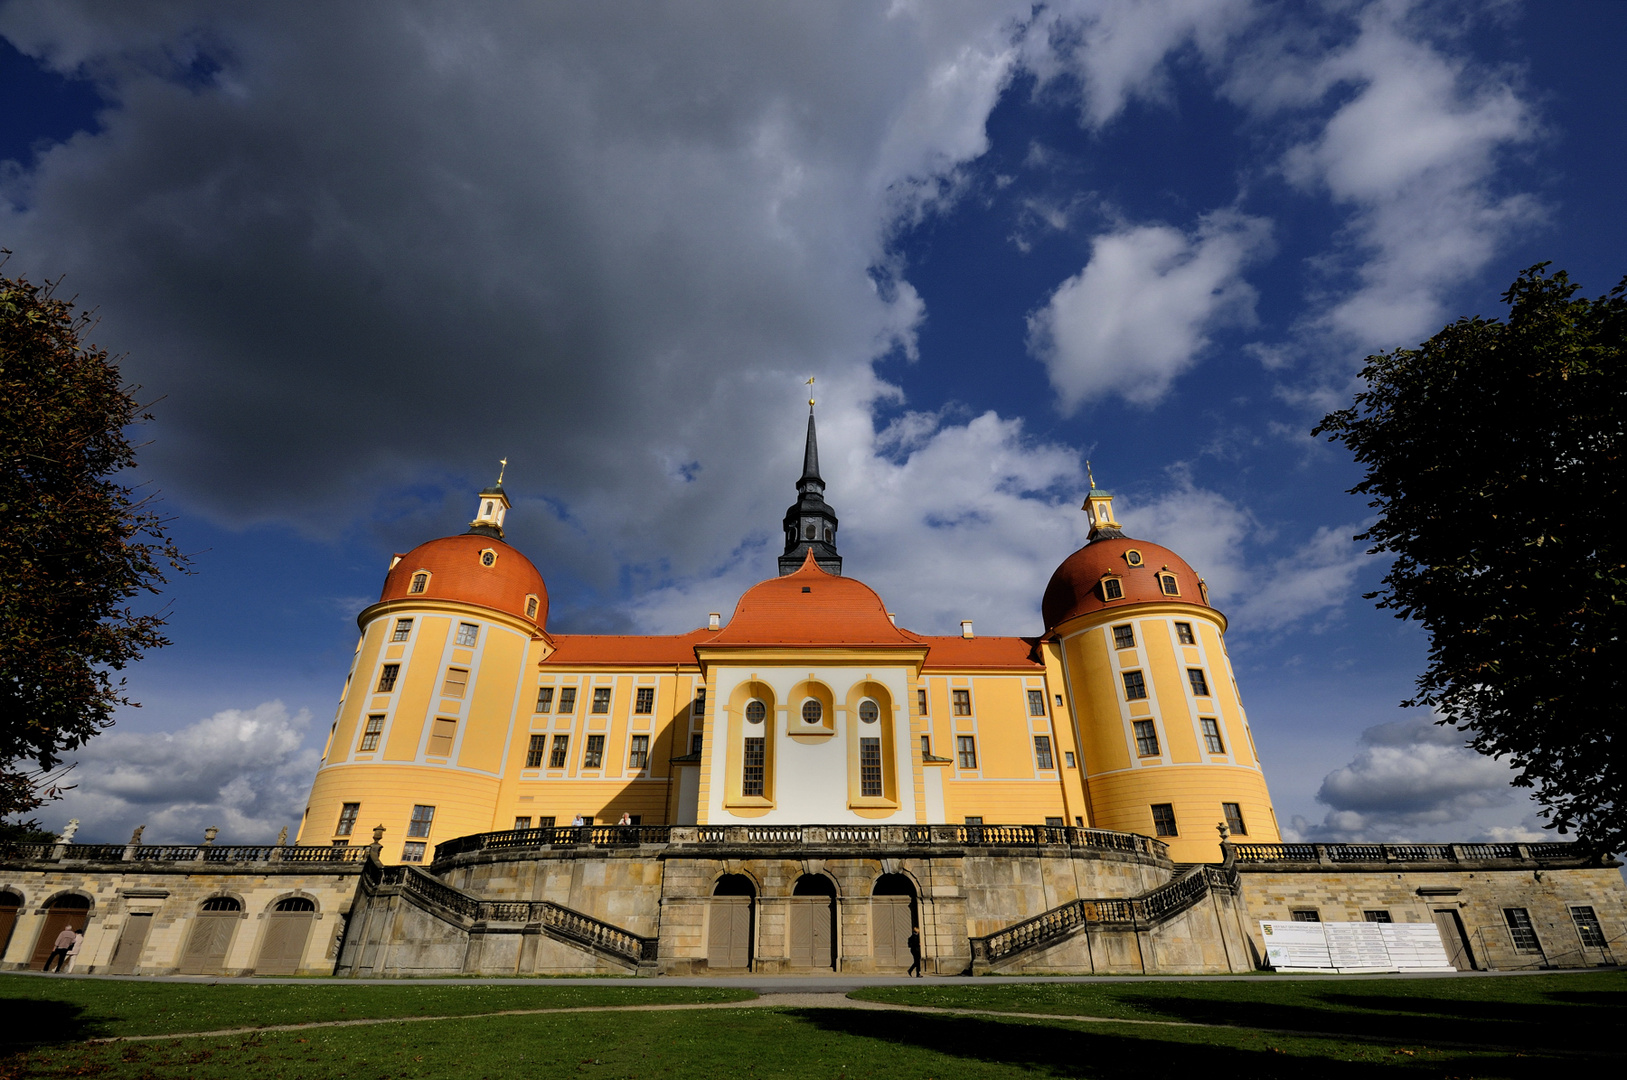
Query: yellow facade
[461, 718]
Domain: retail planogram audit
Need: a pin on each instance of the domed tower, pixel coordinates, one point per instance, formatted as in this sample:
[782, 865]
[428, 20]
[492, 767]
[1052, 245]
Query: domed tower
[419, 739]
[1166, 743]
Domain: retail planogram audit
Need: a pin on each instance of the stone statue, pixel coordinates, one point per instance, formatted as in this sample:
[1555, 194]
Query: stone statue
[135, 837]
[67, 834]
[378, 834]
[1224, 831]
[209, 835]
[282, 837]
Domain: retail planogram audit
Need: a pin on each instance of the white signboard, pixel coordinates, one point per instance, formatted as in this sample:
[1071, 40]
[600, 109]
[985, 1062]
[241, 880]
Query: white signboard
[1353, 947]
[1416, 947]
[1299, 945]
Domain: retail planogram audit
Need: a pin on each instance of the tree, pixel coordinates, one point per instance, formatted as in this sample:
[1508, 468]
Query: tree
[76, 546]
[1493, 456]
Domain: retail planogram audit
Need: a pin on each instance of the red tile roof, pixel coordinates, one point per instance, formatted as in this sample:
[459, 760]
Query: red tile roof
[456, 573]
[811, 607]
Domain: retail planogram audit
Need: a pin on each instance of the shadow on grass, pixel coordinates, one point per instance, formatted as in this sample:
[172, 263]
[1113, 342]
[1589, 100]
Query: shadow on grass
[30, 1023]
[1056, 1050]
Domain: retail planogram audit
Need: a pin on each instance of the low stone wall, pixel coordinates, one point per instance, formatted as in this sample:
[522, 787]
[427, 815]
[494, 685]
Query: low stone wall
[172, 894]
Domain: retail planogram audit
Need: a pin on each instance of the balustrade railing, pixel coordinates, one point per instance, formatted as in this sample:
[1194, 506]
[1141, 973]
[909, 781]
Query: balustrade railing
[1321, 854]
[184, 853]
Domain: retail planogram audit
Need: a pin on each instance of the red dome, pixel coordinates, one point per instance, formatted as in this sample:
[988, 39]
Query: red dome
[457, 571]
[811, 607]
[1076, 587]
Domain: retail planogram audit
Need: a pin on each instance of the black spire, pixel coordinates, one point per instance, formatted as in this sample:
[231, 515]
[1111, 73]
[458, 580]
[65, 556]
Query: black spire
[809, 522]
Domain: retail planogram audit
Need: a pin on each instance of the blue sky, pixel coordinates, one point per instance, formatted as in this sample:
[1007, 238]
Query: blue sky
[359, 254]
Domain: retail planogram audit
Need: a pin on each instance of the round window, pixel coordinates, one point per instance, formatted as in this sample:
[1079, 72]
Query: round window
[868, 712]
[1133, 557]
[755, 711]
[812, 711]
[487, 558]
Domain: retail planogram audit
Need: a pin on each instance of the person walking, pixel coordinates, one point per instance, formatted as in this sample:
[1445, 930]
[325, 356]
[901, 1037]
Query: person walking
[73, 953]
[915, 951]
[59, 951]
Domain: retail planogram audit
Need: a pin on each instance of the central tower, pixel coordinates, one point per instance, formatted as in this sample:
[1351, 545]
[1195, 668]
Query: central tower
[810, 524]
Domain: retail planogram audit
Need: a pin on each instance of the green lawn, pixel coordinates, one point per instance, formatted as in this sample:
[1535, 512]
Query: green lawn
[1556, 1023]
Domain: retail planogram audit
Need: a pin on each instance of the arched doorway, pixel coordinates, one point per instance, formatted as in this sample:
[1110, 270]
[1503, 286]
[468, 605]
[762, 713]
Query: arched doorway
[288, 928]
[813, 922]
[893, 914]
[729, 937]
[213, 928]
[10, 904]
[69, 911]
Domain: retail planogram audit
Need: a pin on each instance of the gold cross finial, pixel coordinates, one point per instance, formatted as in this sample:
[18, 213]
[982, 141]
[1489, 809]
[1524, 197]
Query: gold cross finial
[504, 463]
[810, 391]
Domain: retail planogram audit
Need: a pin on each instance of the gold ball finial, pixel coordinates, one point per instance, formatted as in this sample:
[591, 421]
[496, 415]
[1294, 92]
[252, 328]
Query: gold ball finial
[810, 391]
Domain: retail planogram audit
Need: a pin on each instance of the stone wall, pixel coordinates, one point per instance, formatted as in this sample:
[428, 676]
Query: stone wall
[173, 895]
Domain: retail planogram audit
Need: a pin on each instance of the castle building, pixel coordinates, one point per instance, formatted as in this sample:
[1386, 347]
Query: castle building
[464, 714]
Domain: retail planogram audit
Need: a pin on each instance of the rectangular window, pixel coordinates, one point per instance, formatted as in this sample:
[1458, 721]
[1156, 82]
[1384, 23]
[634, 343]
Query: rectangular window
[1124, 637]
[751, 775]
[468, 634]
[341, 843]
[870, 767]
[1036, 703]
[644, 700]
[1112, 589]
[697, 742]
[1146, 738]
[387, 676]
[1520, 929]
[534, 752]
[601, 699]
[699, 707]
[422, 818]
[920, 702]
[562, 745]
[1234, 818]
[926, 747]
[1376, 916]
[966, 746]
[440, 737]
[1211, 735]
[1067, 758]
[1135, 687]
[403, 630]
[567, 699]
[371, 733]
[962, 701]
[1055, 823]
[1304, 915]
[593, 754]
[1587, 927]
[639, 756]
[545, 698]
[1167, 583]
[522, 823]
[545, 822]
[1163, 819]
[1200, 685]
[1183, 633]
[456, 682]
[1042, 752]
[347, 819]
[412, 852]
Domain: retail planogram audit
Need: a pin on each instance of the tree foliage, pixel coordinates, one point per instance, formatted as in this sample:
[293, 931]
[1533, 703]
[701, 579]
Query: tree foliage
[76, 546]
[1493, 456]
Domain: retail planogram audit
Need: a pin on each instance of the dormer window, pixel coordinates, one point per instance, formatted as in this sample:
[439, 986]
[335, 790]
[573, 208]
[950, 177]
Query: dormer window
[1133, 557]
[531, 607]
[1167, 584]
[420, 582]
[488, 557]
[1112, 588]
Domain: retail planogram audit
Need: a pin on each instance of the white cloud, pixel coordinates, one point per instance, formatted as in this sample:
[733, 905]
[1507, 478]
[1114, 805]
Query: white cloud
[243, 770]
[1141, 311]
[1414, 780]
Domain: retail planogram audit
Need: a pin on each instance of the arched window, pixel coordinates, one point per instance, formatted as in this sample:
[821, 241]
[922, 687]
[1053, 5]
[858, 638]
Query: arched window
[420, 582]
[296, 903]
[221, 903]
[755, 712]
[868, 711]
[812, 711]
[830, 534]
[810, 532]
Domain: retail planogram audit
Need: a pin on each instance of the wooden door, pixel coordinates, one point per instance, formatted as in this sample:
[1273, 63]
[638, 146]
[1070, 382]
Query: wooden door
[55, 920]
[729, 939]
[132, 939]
[1452, 936]
[891, 918]
[8, 920]
[812, 940]
[206, 946]
[284, 944]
